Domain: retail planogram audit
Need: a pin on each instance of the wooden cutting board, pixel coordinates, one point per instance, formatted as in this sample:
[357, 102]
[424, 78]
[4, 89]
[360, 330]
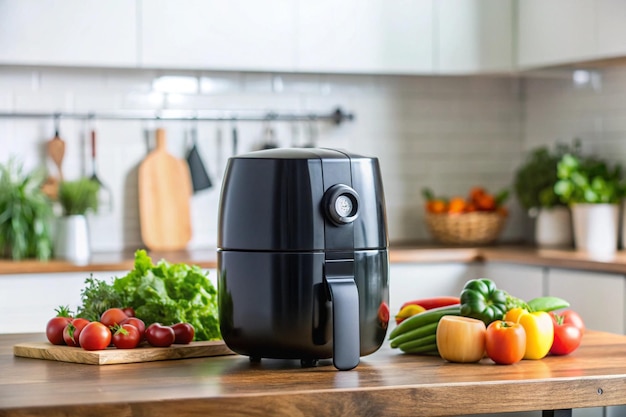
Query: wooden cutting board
[164, 194]
[45, 350]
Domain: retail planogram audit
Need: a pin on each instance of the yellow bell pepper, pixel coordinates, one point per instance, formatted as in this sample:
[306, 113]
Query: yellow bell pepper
[539, 331]
[408, 311]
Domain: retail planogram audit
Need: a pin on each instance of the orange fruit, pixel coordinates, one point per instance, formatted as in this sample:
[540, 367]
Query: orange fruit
[486, 202]
[456, 205]
[436, 206]
[476, 193]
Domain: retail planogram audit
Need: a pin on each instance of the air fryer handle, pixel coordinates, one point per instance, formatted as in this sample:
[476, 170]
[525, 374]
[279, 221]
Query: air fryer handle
[344, 295]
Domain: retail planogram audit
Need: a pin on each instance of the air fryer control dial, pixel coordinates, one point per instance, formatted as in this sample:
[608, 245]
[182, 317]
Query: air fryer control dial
[341, 204]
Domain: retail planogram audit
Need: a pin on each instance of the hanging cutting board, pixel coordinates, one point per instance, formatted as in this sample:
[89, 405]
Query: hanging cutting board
[164, 193]
[110, 356]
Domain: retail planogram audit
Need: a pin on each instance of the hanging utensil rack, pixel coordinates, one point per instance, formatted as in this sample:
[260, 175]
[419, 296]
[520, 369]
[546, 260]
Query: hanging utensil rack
[337, 116]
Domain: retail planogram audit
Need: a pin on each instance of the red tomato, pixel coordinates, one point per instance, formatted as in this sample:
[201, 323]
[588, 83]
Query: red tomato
[505, 342]
[567, 336]
[130, 312]
[113, 316]
[183, 333]
[126, 336]
[569, 317]
[95, 336]
[54, 329]
[138, 323]
[71, 333]
[160, 336]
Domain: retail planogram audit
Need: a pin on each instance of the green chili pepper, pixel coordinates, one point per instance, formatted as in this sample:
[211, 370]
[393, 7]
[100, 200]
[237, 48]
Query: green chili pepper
[480, 299]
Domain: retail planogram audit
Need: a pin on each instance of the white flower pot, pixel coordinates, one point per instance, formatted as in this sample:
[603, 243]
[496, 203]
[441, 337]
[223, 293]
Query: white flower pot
[71, 241]
[596, 228]
[553, 227]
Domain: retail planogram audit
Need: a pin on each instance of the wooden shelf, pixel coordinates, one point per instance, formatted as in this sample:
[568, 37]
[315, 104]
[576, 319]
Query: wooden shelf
[207, 259]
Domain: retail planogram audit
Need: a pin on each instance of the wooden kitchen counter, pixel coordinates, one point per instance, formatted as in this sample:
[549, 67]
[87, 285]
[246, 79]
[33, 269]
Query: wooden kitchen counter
[207, 258]
[385, 383]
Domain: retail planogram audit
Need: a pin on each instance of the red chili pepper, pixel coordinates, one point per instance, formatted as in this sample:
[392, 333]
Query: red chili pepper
[434, 302]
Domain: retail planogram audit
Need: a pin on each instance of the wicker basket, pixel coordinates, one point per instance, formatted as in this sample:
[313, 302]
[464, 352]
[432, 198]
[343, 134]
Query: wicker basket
[466, 228]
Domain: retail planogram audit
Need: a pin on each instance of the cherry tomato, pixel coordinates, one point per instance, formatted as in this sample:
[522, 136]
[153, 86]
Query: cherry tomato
[130, 312]
[505, 342]
[183, 333]
[54, 329]
[126, 336]
[570, 317]
[95, 336]
[567, 336]
[113, 316]
[71, 333]
[138, 323]
[160, 336]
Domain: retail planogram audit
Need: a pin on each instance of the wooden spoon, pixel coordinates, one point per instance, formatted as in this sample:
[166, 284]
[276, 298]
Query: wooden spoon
[56, 151]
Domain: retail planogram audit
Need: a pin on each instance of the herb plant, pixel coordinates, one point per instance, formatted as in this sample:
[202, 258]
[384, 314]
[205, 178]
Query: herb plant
[535, 179]
[588, 180]
[97, 296]
[79, 196]
[25, 213]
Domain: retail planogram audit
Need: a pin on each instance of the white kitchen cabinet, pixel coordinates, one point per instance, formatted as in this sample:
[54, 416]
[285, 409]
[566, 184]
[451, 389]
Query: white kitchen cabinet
[474, 36]
[555, 32]
[218, 35]
[68, 33]
[598, 297]
[567, 31]
[375, 36]
[611, 15]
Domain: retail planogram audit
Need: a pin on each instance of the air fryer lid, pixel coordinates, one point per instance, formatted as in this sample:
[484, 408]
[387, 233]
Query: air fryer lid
[298, 199]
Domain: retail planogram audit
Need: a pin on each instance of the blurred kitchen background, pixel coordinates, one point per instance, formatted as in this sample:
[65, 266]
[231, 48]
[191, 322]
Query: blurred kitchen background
[446, 94]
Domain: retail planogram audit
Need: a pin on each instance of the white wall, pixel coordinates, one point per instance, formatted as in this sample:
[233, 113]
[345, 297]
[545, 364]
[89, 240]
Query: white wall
[448, 133]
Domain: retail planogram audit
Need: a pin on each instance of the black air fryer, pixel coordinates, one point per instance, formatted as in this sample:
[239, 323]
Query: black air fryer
[302, 256]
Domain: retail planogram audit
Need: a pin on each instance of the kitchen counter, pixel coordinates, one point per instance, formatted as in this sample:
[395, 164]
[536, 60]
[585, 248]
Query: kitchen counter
[518, 254]
[385, 383]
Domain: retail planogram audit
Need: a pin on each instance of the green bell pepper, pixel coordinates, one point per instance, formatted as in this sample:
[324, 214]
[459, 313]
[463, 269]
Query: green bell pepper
[480, 299]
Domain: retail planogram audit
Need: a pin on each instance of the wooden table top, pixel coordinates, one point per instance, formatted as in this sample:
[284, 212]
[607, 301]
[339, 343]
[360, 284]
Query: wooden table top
[385, 383]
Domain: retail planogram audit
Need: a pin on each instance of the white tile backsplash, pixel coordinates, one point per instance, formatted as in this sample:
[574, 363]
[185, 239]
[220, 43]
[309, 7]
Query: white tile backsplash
[447, 133]
[557, 111]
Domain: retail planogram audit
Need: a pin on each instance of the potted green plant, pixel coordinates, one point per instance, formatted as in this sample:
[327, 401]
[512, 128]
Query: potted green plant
[534, 186]
[593, 189]
[77, 198]
[25, 214]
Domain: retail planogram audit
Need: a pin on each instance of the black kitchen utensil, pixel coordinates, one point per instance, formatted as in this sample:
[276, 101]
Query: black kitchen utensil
[200, 179]
[105, 196]
[302, 256]
[269, 135]
[235, 139]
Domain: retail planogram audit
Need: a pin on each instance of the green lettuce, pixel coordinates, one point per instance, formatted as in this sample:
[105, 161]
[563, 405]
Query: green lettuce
[171, 293]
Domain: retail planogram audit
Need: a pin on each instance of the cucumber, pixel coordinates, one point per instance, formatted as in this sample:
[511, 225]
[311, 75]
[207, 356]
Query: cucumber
[424, 341]
[423, 350]
[414, 334]
[424, 318]
[547, 304]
